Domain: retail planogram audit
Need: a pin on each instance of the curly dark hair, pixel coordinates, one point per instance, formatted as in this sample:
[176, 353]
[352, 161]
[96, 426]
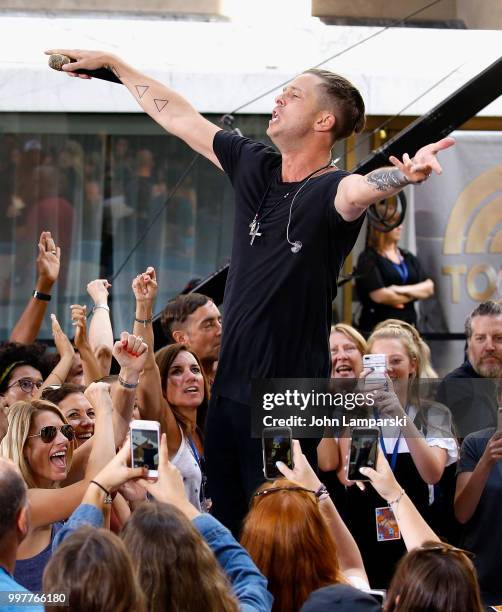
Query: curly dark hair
[20, 354]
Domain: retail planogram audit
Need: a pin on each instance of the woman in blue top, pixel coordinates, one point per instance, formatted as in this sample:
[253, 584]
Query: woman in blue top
[391, 280]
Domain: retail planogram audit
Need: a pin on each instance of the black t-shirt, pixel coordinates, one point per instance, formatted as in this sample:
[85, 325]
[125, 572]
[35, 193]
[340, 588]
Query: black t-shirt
[471, 398]
[378, 272]
[277, 306]
[483, 532]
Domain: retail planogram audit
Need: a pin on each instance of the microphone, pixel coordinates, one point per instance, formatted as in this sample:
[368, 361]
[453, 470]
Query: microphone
[57, 61]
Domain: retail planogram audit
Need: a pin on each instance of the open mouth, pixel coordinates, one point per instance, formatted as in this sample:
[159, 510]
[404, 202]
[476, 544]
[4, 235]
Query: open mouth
[192, 389]
[59, 459]
[344, 370]
[275, 116]
[84, 436]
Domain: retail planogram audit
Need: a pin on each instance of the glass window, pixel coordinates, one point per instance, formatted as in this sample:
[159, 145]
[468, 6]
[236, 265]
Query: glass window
[99, 183]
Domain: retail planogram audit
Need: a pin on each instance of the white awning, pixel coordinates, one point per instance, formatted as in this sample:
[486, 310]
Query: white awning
[221, 66]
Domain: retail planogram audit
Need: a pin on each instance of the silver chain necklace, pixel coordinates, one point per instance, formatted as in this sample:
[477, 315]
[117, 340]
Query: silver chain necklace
[254, 226]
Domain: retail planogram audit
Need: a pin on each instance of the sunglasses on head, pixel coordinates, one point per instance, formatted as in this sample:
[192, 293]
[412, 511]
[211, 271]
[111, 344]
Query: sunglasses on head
[49, 432]
[26, 384]
[265, 492]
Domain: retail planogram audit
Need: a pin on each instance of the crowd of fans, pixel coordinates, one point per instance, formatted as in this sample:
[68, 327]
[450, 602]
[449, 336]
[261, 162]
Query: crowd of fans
[75, 518]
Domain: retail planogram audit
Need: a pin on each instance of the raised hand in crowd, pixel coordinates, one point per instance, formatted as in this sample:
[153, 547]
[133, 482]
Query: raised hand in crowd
[92, 370]
[66, 353]
[100, 327]
[145, 288]
[414, 529]
[131, 353]
[351, 562]
[48, 263]
[168, 487]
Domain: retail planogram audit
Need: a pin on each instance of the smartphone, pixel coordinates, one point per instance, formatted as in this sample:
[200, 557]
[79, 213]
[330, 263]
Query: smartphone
[363, 451]
[277, 446]
[379, 364]
[145, 444]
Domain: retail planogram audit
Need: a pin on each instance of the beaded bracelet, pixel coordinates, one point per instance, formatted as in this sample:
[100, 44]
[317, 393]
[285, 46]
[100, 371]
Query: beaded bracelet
[127, 385]
[397, 500]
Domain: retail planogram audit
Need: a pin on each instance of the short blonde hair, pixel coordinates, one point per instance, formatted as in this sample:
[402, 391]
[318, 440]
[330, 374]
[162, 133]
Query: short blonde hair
[351, 334]
[21, 415]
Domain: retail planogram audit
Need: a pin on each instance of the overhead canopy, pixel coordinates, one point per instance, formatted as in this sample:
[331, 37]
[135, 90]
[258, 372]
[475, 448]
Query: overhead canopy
[221, 66]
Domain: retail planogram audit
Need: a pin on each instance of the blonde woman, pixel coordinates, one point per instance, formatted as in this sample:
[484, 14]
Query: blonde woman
[40, 441]
[347, 348]
[418, 452]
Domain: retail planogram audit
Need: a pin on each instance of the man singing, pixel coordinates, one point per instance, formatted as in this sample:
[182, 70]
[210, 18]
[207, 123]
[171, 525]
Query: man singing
[297, 218]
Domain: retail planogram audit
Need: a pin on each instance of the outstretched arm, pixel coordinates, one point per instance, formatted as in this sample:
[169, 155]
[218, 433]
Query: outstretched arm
[170, 110]
[355, 192]
[27, 328]
[351, 562]
[414, 528]
[100, 328]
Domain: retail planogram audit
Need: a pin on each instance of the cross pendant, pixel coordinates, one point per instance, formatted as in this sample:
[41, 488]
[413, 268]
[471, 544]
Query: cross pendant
[254, 231]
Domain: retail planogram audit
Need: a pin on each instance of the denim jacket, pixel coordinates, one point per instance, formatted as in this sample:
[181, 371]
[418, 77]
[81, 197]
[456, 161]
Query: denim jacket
[249, 585]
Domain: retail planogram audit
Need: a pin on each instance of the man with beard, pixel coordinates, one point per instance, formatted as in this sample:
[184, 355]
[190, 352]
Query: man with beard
[471, 391]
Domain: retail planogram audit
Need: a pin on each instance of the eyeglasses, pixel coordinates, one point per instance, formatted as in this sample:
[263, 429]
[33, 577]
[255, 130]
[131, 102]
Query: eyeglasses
[49, 432]
[26, 384]
[276, 489]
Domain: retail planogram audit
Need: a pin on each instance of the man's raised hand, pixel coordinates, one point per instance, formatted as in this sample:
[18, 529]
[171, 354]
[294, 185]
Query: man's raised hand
[419, 168]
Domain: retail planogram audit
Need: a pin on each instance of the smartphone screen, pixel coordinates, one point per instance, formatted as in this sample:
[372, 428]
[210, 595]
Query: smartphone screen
[363, 452]
[276, 442]
[145, 446]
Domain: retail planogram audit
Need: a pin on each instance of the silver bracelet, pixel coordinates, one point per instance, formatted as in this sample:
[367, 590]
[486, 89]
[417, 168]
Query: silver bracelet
[104, 306]
[397, 500]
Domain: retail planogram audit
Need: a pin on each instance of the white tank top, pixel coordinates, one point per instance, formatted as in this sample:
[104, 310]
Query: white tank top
[187, 464]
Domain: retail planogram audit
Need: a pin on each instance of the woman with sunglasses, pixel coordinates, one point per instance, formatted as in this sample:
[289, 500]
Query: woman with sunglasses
[41, 442]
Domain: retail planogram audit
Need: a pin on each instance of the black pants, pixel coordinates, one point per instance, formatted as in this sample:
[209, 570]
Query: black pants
[234, 460]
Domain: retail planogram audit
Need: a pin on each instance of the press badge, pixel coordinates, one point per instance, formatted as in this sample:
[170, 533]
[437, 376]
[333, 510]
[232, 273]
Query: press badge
[386, 524]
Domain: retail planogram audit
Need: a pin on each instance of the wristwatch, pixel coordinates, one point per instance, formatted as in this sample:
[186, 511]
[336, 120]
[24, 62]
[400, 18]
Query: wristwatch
[45, 297]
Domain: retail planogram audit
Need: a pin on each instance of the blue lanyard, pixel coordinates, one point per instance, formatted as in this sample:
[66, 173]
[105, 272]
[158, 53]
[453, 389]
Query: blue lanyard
[393, 459]
[194, 451]
[402, 270]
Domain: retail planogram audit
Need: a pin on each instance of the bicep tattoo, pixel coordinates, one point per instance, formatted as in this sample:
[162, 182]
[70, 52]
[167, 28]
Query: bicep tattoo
[386, 179]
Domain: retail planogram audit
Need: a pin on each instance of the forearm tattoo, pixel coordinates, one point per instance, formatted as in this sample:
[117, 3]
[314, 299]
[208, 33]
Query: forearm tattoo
[160, 103]
[141, 89]
[385, 179]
